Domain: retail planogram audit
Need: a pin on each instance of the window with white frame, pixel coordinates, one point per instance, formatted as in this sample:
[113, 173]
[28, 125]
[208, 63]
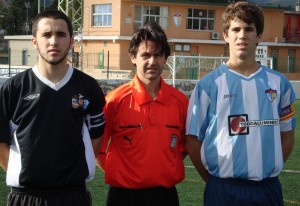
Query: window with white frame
[102, 15]
[182, 47]
[200, 19]
[145, 14]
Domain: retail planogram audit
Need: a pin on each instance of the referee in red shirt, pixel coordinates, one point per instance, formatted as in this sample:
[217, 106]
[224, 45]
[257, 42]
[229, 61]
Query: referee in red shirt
[143, 149]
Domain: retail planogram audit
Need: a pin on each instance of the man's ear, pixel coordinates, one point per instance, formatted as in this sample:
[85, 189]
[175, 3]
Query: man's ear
[133, 59]
[225, 36]
[72, 41]
[34, 42]
[258, 38]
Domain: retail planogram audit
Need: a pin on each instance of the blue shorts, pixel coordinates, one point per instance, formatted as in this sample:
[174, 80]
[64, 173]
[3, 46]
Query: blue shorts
[236, 192]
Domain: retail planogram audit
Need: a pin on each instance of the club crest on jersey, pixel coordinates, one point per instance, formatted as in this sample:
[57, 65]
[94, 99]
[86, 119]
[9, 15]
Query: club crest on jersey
[234, 125]
[271, 94]
[78, 101]
[174, 140]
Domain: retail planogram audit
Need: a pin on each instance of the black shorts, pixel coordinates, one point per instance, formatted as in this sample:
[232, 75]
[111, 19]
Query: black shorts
[155, 196]
[63, 197]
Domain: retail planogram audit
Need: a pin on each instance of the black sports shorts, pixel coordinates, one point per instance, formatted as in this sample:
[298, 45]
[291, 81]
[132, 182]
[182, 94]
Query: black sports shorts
[155, 196]
[61, 197]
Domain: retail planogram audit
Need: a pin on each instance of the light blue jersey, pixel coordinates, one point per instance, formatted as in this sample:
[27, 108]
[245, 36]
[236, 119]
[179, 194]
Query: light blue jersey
[239, 120]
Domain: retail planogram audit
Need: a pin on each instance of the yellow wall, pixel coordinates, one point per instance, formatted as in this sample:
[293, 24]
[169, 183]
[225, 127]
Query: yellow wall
[118, 57]
[17, 47]
[274, 19]
[89, 30]
[274, 22]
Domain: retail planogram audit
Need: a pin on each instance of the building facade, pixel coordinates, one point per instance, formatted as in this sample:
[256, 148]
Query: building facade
[193, 28]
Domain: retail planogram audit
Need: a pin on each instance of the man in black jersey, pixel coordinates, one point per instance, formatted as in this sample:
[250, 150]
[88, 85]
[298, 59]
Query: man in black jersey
[51, 122]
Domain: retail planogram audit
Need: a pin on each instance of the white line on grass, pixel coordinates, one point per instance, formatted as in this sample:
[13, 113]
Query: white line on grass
[291, 171]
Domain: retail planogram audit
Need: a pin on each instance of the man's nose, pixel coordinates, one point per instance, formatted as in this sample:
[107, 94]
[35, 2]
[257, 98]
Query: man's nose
[152, 60]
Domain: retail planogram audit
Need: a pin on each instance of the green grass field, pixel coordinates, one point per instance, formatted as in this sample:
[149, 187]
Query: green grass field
[191, 189]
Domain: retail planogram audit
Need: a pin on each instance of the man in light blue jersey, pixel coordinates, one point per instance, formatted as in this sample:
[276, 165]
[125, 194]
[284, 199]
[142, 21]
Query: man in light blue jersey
[241, 119]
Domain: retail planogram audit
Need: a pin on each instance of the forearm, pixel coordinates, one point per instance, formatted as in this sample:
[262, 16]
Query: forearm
[100, 161]
[4, 155]
[100, 155]
[200, 168]
[193, 146]
[287, 142]
[97, 144]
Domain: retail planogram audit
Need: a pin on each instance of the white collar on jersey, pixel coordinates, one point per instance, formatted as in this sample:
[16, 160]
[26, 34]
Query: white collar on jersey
[55, 86]
[247, 77]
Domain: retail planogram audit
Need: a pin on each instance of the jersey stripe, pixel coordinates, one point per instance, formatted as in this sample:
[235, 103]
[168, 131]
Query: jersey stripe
[224, 153]
[14, 163]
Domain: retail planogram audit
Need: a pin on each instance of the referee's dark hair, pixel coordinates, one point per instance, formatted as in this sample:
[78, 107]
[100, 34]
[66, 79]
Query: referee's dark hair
[52, 14]
[152, 31]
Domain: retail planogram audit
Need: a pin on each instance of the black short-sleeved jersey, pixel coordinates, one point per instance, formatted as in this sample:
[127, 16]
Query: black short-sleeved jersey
[49, 126]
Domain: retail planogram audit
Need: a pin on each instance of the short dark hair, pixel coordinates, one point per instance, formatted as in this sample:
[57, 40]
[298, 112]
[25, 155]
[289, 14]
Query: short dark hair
[245, 11]
[52, 14]
[152, 31]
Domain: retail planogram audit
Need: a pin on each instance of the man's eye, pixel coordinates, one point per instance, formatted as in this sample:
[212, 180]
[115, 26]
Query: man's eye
[46, 35]
[145, 56]
[61, 34]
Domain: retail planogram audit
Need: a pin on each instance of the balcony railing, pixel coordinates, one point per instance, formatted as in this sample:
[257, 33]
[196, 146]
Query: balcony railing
[292, 35]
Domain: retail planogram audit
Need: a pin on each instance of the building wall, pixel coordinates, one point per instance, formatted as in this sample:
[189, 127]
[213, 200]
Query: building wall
[118, 35]
[124, 14]
[274, 22]
[17, 47]
[88, 28]
[115, 39]
[283, 59]
[115, 54]
[127, 18]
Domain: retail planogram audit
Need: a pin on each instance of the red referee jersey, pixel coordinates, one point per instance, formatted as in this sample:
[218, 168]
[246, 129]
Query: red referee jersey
[146, 136]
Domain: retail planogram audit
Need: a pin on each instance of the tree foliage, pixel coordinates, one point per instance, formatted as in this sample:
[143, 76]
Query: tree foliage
[14, 14]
